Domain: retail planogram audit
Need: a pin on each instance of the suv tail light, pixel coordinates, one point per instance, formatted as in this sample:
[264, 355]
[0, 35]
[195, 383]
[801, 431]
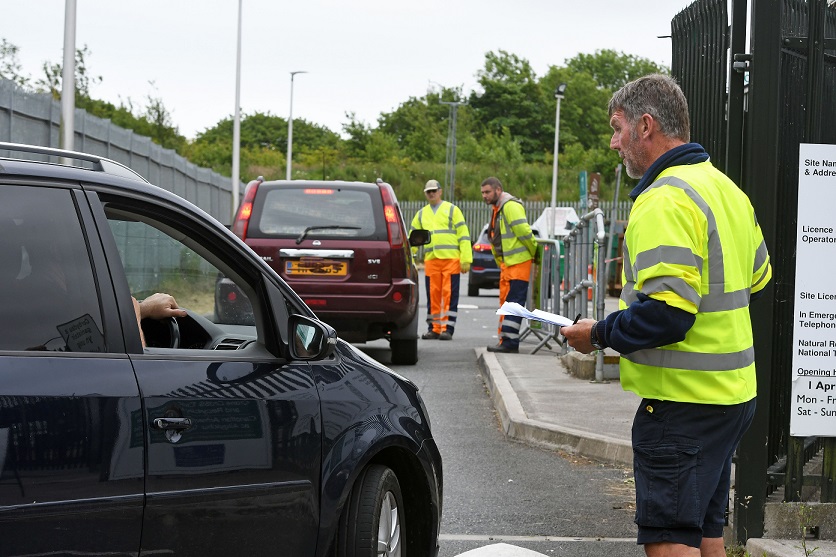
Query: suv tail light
[390, 211]
[395, 227]
[245, 210]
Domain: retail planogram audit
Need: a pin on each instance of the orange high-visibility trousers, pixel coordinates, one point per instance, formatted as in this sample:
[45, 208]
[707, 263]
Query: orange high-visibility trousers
[513, 287]
[442, 278]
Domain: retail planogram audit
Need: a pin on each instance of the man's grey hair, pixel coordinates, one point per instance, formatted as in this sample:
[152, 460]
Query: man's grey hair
[660, 96]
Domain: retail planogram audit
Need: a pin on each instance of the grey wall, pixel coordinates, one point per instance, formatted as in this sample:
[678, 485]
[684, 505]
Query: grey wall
[35, 119]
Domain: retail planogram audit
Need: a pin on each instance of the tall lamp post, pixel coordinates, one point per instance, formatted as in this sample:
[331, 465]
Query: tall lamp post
[558, 95]
[236, 122]
[68, 78]
[290, 126]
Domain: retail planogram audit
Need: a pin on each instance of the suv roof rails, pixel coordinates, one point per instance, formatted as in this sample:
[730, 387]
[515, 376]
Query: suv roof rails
[100, 164]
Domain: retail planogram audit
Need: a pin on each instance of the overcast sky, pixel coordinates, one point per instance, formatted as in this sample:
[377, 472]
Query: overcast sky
[363, 56]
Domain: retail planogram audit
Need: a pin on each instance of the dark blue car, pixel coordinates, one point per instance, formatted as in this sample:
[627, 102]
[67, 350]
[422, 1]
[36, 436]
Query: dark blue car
[484, 272]
[202, 435]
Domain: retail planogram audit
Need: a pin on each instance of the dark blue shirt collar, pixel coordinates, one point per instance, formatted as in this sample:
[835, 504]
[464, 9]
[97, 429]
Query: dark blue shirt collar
[689, 153]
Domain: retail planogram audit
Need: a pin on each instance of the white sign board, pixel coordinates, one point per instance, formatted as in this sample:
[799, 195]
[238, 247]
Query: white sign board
[814, 327]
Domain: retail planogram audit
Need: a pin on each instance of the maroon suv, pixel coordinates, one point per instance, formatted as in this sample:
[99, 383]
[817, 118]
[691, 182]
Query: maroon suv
[343, 248]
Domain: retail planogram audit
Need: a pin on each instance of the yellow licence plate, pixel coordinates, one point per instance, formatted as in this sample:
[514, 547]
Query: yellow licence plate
[319, 267]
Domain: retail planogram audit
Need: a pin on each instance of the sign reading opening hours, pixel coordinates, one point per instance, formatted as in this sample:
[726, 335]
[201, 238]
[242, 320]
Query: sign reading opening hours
[814, 328]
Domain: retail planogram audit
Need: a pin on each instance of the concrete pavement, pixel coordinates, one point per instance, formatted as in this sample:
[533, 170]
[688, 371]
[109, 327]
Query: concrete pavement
[538, 402]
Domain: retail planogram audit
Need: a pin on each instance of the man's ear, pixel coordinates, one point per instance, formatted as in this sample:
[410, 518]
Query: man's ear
[646, 126]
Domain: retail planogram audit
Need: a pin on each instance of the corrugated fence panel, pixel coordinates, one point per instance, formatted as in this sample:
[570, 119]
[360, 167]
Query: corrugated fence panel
[477, 213]
[35, 119]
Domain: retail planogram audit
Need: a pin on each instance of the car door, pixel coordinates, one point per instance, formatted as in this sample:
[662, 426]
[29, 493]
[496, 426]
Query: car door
[69, 401]
[230, 426]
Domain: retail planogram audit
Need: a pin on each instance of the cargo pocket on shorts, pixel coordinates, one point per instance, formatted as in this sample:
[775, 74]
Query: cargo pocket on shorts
[666, 486]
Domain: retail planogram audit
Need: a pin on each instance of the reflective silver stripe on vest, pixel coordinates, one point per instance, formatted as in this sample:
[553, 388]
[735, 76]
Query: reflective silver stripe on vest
[761, 278]
[672, 284]
[674, 255]
[444, 231]
[513, 251]
[716, 299]
[628, 294]
[760, 256]
[629, 273]
[514, 223]
[447, 246]
[727, 302]
[696, 361]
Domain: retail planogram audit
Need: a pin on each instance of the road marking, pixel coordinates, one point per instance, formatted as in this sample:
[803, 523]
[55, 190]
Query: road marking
[500, 550]
[468, 306]
[499, 538]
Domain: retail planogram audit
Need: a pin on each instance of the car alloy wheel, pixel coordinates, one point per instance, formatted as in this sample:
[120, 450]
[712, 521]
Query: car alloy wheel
[372, 523]
[389, 527]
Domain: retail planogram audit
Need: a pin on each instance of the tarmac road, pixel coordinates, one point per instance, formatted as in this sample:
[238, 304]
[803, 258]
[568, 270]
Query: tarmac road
[500, 490]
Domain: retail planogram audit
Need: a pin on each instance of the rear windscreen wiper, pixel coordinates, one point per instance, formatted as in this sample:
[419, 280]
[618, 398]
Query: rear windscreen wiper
[330, 227]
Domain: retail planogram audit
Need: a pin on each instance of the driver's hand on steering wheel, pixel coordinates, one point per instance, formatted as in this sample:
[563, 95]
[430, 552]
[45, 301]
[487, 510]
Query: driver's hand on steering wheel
[160, 306]
[156, 306]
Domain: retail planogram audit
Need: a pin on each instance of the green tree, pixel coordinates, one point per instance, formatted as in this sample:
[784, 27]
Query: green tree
[583, 111]
[497, 151]
[358, 133]
[51, 81]
[10, 65]
[611, 69]
[420, 125]
[512, 98]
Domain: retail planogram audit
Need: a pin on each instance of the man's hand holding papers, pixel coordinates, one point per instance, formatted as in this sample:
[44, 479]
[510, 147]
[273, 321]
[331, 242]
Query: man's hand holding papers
[513, 308]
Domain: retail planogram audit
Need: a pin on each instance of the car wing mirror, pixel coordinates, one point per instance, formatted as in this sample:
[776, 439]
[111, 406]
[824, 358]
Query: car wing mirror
[310, 339]
[419, 237]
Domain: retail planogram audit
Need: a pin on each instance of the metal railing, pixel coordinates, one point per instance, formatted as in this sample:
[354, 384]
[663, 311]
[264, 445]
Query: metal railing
[544, 292]
[581, 247]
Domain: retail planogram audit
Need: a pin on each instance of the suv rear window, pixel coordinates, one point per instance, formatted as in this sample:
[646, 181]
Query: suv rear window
[283, 212]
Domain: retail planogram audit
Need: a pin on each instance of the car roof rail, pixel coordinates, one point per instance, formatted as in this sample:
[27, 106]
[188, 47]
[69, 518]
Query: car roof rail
[100, 164]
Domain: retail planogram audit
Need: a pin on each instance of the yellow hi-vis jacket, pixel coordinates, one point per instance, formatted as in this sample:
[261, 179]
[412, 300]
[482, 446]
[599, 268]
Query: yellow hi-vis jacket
[512, 241]
[449, 236]
[693, 242]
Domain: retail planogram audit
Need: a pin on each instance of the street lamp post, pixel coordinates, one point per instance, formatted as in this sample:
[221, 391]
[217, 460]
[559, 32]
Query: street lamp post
[290, 126]
[558, 95]
[236, 122]
[68, 78]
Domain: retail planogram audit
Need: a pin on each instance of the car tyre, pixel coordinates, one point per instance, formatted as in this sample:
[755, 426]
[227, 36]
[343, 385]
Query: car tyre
[372, 524]
[473, 290]
[404, 351]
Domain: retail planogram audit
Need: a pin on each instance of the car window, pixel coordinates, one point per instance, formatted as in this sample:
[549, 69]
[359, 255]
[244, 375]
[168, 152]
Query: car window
[288, 212]
[48, 295]
[155, 261]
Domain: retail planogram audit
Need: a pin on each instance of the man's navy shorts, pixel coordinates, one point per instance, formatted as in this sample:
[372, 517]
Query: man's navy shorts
[682, 454]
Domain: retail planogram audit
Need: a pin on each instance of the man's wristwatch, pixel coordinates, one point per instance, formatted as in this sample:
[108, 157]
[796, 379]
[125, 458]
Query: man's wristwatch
[593, 338]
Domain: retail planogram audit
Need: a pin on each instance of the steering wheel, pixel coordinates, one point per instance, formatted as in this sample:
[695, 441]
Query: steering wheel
[173, 332]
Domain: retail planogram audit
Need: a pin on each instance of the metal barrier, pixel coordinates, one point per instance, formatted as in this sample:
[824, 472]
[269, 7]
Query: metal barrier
[543, 292]
[581, 248]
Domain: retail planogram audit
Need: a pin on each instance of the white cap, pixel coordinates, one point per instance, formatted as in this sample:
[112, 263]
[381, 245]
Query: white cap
[432, 185]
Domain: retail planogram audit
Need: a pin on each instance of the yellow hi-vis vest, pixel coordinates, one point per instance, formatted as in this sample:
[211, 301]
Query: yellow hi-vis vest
[693, 242]
[512, 241]
[449, 238]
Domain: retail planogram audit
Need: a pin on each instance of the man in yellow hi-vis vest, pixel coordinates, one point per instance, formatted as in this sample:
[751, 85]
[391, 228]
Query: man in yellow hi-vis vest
[694, 256]
[513, 247]
[446, 256]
